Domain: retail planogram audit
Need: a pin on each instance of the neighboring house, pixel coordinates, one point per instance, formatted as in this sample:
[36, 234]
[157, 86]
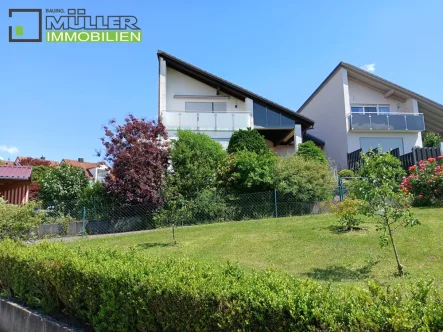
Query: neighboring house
[6, 163]
[18, 161]
[96, 172]
[355, 109]
[191, 98]
[14, 183]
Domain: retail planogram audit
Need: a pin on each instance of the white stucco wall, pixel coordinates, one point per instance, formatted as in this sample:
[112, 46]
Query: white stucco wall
[162, 69]
[328, 110]
[180, 84]
[284, 150]
[362, 94]
[281, 150]
[94, 172]
[409, 139]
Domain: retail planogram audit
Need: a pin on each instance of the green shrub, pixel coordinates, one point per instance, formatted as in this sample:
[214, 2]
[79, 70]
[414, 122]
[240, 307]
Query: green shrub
[432, 140]
[346, 173]
[190, 190]
[196, 160]
[249, 140]
[311, 151]
[114, 291]
[207, 207]
[348, 212]
[381, 168]
[38, 172]
[62, 187]
[17, 221]
[248, 171]
[306, 181]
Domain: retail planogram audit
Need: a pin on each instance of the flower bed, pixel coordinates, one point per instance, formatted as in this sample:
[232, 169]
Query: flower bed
[425, 182]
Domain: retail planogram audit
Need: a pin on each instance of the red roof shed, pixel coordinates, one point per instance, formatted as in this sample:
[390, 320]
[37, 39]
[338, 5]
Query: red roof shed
[14, 183]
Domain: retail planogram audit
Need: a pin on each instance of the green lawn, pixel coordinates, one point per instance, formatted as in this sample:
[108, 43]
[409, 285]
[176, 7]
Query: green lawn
[307, 246]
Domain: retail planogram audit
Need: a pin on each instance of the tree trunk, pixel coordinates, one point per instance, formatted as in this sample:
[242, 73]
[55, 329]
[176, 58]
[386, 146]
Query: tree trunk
[399, 266]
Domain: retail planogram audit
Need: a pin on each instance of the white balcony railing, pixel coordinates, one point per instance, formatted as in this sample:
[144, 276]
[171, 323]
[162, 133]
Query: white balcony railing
[387, 121]
[220, 121]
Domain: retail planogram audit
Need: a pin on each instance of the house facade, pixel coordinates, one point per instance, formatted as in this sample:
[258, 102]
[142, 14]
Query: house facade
[355, 109]
[95, 172]
[191, 98]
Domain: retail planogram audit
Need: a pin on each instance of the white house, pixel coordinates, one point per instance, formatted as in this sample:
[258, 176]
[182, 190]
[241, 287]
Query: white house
[355, 109]
[191, 98]
[95, 171]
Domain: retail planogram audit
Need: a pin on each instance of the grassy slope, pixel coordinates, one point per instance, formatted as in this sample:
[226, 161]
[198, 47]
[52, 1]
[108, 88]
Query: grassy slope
[302, 246]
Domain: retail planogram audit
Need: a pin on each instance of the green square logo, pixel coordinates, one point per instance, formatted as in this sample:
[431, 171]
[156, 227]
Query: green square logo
[19, 30]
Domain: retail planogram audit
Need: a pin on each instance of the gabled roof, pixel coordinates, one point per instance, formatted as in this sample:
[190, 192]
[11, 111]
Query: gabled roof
[228, 87]
[85, 165]
[432, 110]
[15, 172]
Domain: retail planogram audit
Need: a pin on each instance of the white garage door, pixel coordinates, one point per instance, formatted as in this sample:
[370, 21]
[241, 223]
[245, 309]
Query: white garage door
[387, 143]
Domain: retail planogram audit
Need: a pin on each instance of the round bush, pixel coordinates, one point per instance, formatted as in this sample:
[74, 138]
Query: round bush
[249, 140]
[432, 140]
[311, 151]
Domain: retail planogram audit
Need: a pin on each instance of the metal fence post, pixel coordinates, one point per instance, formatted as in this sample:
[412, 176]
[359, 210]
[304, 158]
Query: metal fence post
[340, 188]
[83, 221]
[275, 203]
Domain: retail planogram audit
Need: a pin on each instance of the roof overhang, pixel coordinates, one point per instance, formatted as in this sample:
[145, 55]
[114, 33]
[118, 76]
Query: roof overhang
[228, 87]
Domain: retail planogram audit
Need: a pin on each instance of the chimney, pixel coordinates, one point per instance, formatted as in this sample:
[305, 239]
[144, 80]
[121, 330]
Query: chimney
[81, 160]
[42, 158]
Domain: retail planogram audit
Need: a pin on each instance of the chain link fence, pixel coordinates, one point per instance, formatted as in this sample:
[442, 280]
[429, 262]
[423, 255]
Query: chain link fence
[72, 219]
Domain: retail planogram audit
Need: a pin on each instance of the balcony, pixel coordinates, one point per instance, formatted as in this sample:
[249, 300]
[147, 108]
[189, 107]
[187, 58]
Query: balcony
[206, 121]
[386, 121]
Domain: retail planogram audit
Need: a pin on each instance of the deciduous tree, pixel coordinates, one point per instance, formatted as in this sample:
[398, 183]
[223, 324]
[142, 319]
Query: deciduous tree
[28, 161]
[63, 186]
[138, 152]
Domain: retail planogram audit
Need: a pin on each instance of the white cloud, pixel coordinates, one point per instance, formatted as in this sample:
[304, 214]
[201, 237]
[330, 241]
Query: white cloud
[370, 67]
[8, 149]
[1, 158]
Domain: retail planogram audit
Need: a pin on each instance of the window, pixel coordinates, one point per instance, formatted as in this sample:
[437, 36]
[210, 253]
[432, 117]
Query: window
[273, 118]
[205, 106]
[259, 115]
[219, 107]
[101, 174]
[383, 109]
[268, 118]
[370, 109]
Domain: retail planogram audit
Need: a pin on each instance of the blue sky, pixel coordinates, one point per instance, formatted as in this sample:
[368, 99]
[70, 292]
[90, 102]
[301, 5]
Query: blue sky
[55, 98]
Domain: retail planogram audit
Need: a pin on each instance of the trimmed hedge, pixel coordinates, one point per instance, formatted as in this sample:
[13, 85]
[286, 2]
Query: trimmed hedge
[113, 291]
